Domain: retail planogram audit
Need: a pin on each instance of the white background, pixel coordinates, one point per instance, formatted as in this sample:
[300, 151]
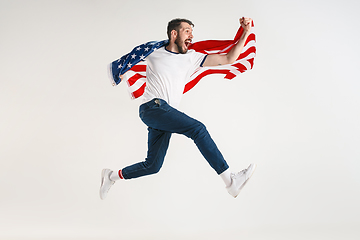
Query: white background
[296, 115]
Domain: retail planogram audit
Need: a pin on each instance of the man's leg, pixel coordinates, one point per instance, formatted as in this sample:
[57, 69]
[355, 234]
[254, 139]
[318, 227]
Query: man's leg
[158, 143]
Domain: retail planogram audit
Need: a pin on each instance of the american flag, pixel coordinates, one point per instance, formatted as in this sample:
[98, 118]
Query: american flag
[133, 64]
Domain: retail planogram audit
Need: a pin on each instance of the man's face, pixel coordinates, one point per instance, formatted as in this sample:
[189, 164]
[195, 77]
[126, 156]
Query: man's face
[184, 37]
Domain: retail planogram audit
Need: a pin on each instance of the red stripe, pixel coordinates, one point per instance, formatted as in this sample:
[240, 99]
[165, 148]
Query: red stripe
[228, 75]
[210, 45]
[247, 52]
[240, 67]
[138, 68]
[251, 61]
[139, 92]
[251, 37]
[134, 78]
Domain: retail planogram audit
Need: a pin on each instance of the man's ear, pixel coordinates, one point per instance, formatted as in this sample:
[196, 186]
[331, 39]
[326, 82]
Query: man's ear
[173, 34]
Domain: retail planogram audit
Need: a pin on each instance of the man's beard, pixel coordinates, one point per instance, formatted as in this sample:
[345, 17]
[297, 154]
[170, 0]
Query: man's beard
[178, 44]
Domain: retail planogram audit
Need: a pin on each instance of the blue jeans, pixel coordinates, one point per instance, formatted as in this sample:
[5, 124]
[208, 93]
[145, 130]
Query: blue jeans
[163, 120]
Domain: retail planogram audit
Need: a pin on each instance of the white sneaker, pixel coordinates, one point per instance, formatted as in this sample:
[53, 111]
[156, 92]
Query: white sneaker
[238, 180]
[106, 183]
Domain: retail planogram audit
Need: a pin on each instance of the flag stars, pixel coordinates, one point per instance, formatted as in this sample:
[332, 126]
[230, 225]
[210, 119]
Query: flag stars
[129, 65]
[138, 49]
[146, 49]
[142, 57]
[133, 56]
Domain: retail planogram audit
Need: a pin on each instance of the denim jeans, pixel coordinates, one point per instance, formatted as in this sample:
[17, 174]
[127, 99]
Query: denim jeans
[163, 120]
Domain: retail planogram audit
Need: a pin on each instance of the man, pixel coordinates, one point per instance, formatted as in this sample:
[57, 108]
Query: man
[168, 69]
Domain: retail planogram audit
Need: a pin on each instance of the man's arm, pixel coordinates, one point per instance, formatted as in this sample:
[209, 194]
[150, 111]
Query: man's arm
[233, 54]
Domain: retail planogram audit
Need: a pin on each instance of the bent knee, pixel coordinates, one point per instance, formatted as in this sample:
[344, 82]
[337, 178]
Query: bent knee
[199, 130]
[154, 169]
[202, 127]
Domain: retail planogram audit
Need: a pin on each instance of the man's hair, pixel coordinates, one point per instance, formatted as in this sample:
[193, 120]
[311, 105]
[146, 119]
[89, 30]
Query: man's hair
[175, 25]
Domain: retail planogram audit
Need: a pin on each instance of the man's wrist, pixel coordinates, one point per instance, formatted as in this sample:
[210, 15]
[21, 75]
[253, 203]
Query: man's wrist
[246, 33]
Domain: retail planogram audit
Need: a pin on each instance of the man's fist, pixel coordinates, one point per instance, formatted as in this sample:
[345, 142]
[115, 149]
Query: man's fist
[246, 23]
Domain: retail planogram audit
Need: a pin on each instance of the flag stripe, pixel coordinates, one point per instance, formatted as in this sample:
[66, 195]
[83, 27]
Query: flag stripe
[132, 80]
[139, 92]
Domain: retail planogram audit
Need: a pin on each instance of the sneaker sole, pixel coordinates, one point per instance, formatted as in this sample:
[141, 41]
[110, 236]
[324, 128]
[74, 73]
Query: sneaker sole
[254, 168]
[102, 176]
[102, 182]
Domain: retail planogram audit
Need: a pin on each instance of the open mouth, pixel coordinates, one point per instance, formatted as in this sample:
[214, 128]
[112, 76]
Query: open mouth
[187, 42]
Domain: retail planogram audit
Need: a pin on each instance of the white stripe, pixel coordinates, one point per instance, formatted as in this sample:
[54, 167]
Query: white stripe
[136, 85]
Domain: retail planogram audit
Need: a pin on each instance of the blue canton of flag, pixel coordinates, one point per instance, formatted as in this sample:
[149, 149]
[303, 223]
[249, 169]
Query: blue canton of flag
[138, 54]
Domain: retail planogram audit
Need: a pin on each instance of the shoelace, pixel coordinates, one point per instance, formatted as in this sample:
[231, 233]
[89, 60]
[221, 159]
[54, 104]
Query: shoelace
[236, 175]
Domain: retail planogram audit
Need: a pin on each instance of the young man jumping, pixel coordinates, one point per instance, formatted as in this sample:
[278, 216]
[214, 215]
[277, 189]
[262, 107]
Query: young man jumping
[168, 69]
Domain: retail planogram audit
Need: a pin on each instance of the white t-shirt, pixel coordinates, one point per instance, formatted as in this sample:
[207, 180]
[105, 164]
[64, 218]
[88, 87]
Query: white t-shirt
[168, 72]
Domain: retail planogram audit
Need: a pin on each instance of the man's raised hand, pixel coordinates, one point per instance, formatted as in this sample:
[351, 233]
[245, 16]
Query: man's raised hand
[246, 23]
